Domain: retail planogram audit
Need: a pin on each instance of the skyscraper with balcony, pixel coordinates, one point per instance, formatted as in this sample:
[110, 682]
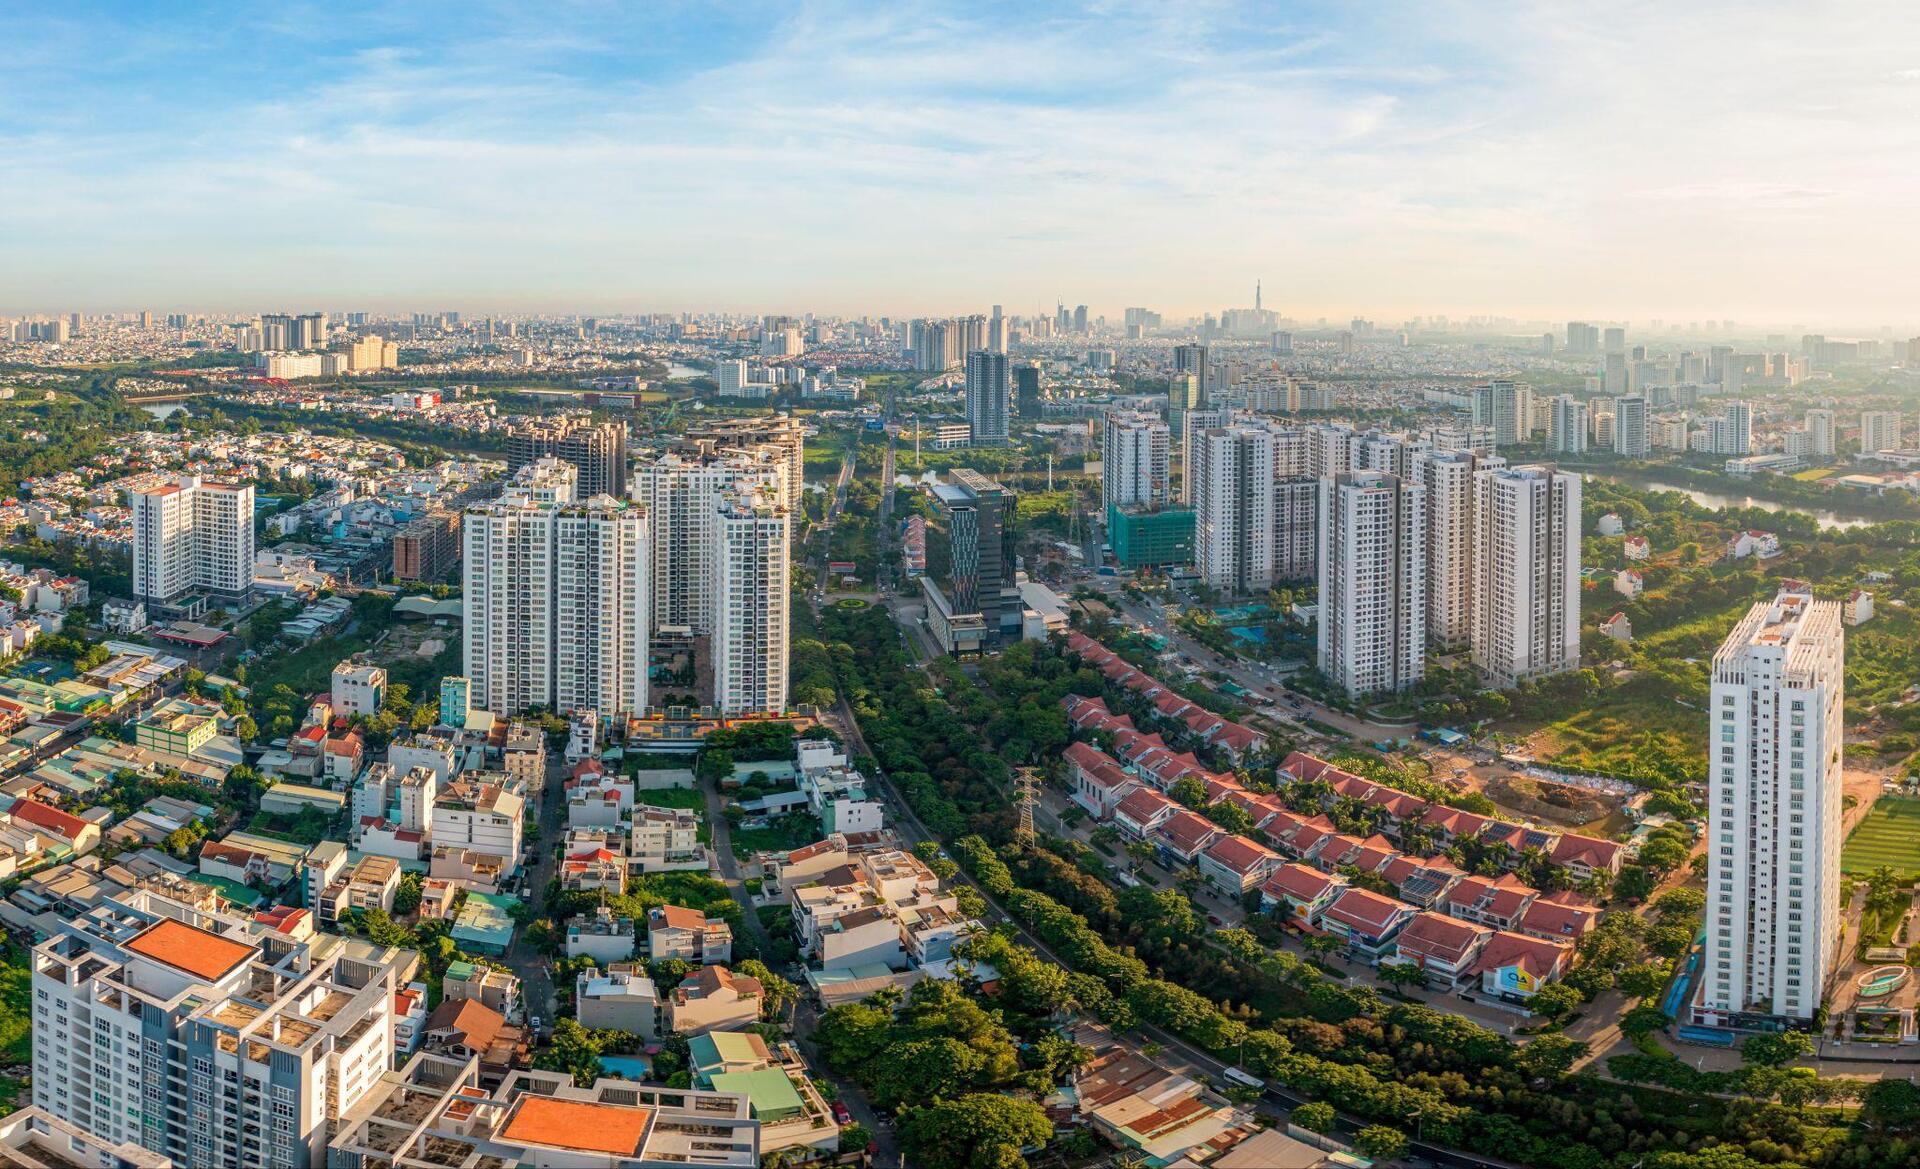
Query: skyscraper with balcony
[753, 577]
[1373, 582]
[1525, 580]
[198, 1036]
[556, 602]
[988, 393]
[1774, 815]
[192, 535]
[1632, 436]
[597, 450]
[1567, 426]
[1133, 461]
[1231, 477]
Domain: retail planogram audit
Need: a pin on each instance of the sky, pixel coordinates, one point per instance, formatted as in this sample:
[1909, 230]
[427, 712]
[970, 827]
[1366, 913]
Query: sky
[1753, 161]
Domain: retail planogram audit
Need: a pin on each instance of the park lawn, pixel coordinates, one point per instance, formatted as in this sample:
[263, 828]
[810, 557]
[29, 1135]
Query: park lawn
[1625, 731]
[1889, 835]
[1814, 475]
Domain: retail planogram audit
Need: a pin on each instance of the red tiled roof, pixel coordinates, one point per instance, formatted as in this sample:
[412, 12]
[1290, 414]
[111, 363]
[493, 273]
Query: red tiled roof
[1299, 882]
[1238, 854]
[1442, 938]
[49, 818]
[1364, 909]
[1538, 957]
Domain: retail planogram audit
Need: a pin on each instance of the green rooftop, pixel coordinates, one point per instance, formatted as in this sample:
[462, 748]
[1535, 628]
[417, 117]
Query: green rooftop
[769, 1090]
[713, 1053]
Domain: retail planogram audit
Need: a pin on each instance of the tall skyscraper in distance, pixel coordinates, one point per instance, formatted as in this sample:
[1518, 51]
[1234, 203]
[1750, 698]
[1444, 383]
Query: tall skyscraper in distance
[597, 450]
[1820, 427]
[1582, 339]
[1373, 586]
[1026, 389]
[1632, 437]
[1133, 461]
[1614, 340]
[192, 535]
[1526, 573]
[1882, 430]
[1774, 814]
[1567, 427]
[988, 392]
[1232, 484]
[1192, 359]
[753, 571]
[1506, 407]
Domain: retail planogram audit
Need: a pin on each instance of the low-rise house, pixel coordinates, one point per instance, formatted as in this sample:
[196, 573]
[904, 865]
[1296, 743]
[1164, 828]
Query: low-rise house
[369, 884]
[597, 798]
[1097, 783]
[409, 1017]
[1422, 882]
[1445, 948]
[1637, 548]
[1366, 921]
[1515, 966]
[1751, 542]
[713, 998]
[497, 988]
[1141, 811]
[1563, 916]
[1629, 583]
[602, 936]
[1618, 627]
[1299, 893]
[1859, 607]
[1495, 902]
[1184, 836]
[469, 1029]
[594, 868]
[688, 934]
[622, 998]
[666, 840]
[73, 833]
[1234, 864]
[1583, 856]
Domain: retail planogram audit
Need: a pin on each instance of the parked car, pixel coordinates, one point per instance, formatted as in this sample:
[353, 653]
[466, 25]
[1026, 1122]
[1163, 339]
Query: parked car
[840, 1113]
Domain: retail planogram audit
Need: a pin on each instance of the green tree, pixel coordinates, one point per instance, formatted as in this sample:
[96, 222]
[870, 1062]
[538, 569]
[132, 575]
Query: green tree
[1555, 1002]
[1775, 1049]
[1317, 1116]
[1402, 974]
[572, 1049]
[975, 1131]
[1381, 1142]
[406, 898]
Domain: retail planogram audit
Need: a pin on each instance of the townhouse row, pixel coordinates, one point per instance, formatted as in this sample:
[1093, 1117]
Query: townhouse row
[1237, 741]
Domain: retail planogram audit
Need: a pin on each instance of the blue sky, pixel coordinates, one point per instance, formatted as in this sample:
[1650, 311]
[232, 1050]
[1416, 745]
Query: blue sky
[1645, 160]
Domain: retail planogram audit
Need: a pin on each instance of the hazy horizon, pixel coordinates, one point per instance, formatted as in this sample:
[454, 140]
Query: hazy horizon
[1515, 160]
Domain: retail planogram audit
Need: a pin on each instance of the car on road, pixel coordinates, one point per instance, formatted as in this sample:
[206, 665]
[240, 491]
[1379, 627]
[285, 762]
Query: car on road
[533, 1021]
[1213, 919]
[840, 1113]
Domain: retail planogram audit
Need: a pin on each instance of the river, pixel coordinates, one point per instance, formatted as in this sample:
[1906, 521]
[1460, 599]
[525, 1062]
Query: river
[677, 372]
[165, 410]
[1825, 517]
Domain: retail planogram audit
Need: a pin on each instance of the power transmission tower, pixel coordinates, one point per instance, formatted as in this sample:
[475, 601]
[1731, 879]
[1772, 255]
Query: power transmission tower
[1026, 786]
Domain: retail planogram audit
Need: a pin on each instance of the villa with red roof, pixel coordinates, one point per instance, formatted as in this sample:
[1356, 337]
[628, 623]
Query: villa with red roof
[1234, 864]
[1097, 781]
[1515, 966]
[1563, 916]
[1446, 948]
[1583, 856]
[1303, 892]
[1141, 811]
[1184, 836]
[1495, 902]
[1367, 921]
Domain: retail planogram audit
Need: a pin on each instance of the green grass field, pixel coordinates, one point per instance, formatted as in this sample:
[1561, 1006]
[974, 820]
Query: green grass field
[1890, 835]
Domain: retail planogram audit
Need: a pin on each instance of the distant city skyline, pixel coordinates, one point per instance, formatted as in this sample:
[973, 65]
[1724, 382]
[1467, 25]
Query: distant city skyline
[1687, 163]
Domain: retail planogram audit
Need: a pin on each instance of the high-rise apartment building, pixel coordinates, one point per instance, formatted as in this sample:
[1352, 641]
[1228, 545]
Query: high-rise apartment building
[372, 352]
[1026, 390]
[1582, 339]
[1614, 340]
[752, 575]
[1774, 817]
[1820, 427]
[200, 1037]
[556, 598]
[1506, 407]
[597, 450]
[682, 490]
[783, 435]
[1232, 483]
[989, 390]
[192, 535]
[1567, 426]
[1882, 430]
[1133, 461]
[1296, 527]
[1632, 437]
[1373, 587]
[966, 603]
[1526, 573]
[1446, 480]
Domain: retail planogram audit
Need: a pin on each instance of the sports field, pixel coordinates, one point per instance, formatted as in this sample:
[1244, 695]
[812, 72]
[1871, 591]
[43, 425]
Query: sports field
[1890, 835]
